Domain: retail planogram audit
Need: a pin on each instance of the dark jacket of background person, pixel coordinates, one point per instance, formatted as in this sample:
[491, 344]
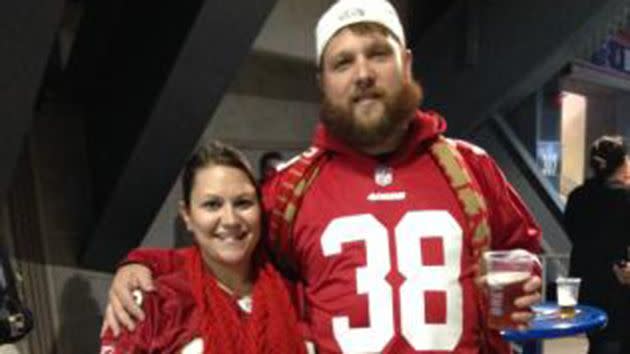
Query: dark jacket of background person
[597, 219]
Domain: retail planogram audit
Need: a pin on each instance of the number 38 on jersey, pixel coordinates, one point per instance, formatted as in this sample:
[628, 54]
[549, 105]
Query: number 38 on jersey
[419, 280]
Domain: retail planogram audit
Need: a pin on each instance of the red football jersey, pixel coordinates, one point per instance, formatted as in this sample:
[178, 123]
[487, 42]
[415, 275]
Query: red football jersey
[383, 251]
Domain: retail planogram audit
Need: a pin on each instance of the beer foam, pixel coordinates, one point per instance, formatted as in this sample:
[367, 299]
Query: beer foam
[506, 278]
[567, 295]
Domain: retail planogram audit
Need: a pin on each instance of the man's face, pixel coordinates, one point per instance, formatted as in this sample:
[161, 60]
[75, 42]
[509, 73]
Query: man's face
[367, 87]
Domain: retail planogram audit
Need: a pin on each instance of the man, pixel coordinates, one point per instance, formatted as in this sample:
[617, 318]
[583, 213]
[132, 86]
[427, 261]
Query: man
[385, 224]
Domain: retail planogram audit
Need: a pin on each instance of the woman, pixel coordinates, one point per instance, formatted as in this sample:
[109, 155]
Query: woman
[597, 220]
[226, 296]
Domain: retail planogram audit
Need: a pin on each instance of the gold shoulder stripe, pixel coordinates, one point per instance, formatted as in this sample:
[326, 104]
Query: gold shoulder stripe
[299, 188]
[470, 200]
[289, 213]
[482, 231]
[450, 165]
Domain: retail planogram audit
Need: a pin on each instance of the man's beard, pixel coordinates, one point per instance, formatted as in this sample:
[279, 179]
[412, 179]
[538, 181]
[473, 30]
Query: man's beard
[362, 132]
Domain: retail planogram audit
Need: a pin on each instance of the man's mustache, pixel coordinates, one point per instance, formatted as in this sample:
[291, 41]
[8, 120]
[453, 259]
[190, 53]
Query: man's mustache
[373, 93]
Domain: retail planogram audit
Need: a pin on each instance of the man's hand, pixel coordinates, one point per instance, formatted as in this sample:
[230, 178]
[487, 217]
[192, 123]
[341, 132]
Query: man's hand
[531, 296]
[622, 273]
[524, 303]
[122, 309]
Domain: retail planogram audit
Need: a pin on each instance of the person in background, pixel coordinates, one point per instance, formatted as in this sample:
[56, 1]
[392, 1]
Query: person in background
[383, 220]
[597, 220]
[224, 295]
[268, 164]
[16, 320]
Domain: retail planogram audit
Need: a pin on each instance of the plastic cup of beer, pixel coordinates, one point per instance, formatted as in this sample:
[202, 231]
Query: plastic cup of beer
[506, 274]
[567, 292]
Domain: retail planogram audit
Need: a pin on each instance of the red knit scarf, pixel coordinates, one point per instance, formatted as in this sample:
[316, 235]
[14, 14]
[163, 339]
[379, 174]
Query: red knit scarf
[270, 328]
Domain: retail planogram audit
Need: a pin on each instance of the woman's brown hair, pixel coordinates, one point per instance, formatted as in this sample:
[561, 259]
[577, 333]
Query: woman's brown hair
[213, 153]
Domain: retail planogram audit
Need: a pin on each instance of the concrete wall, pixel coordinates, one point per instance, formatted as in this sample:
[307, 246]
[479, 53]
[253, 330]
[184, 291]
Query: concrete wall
[289, 28]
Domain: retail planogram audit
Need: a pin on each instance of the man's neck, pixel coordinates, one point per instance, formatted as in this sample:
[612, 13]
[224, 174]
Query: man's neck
[619, 176]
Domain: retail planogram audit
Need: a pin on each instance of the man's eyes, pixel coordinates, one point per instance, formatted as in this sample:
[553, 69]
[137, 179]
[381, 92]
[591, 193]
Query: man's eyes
[380, 53]
[342, 64]
[377, 54]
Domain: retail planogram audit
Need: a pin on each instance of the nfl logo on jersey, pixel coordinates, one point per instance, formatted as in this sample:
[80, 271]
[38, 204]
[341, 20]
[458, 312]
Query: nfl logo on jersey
[383, 175]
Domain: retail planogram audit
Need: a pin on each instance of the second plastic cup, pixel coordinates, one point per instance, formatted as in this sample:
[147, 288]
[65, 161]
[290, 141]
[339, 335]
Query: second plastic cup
[567, 293]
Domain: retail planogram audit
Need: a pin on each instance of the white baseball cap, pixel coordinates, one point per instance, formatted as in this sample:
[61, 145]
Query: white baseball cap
[347, 12]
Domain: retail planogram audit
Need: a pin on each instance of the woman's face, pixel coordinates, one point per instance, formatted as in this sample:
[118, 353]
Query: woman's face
[224, 216]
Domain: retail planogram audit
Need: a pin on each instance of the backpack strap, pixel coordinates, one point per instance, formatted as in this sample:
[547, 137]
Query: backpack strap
[289, 194]
[473, 204]
[468, 192]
